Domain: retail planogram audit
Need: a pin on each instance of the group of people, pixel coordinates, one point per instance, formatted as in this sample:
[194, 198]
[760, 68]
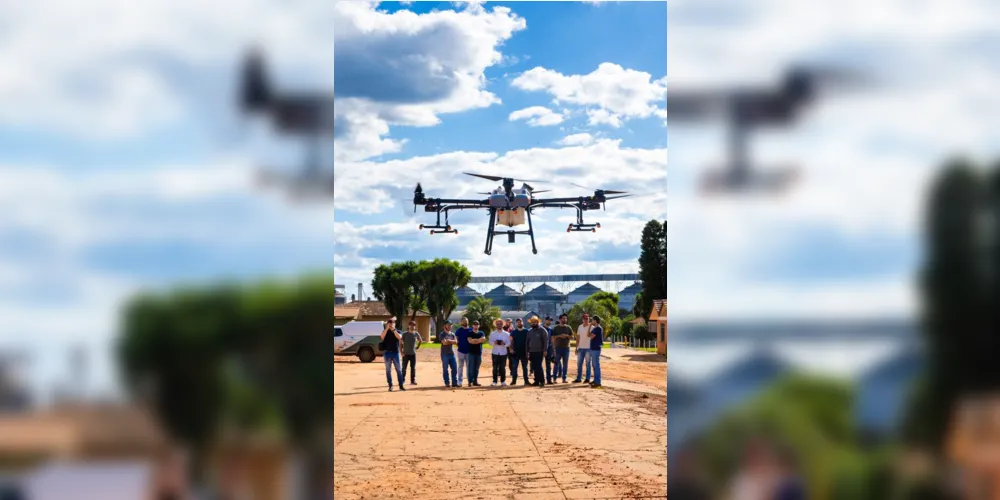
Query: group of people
[512, 346]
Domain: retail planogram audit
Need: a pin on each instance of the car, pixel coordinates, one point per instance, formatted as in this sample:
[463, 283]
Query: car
[358, 338]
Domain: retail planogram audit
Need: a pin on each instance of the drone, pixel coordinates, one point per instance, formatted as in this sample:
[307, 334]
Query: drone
[512, 207]
[308, 114]
[748, 109]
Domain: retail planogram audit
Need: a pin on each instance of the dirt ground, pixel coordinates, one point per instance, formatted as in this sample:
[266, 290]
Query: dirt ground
[561, 441]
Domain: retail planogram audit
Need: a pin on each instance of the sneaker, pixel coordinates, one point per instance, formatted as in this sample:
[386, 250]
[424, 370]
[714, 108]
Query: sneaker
[494, 384]
[477, 384]
[577, 381]
[390, 388]
[413, 382]
[503, 384]
[595, 386]
[401, 387]
[564, 381]
[586, 381]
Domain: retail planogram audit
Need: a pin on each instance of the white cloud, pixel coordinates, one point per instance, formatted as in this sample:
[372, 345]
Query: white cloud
[581, 139]
[611, 93]
[406, 69]
[866, 157]
[130, 70]
[537, 116]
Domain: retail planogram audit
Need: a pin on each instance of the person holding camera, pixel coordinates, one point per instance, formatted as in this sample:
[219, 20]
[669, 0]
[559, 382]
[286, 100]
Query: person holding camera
[390, 352]
[500, 340]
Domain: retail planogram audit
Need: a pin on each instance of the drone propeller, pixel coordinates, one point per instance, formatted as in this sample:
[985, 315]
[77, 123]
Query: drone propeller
[498, 179]
[606, 191]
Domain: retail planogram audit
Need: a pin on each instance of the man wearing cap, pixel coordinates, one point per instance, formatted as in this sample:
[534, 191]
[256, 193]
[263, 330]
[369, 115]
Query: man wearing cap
[518, 352]
[448, 342]
[411, 342]
[462, 335]
[538, 344]
[550, 353]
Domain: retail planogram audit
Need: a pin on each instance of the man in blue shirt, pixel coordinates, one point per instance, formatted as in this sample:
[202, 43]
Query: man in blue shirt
[476, 340]
[519, 351]
[462, 335]
[448, 341]
[596, 342]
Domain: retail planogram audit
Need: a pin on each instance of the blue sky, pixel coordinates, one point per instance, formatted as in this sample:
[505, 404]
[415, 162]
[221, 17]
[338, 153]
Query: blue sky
[593, 109]
[125, 165]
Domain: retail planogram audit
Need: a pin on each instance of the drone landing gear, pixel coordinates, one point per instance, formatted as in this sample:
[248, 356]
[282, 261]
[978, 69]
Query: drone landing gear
[445, 229]
[511, 235]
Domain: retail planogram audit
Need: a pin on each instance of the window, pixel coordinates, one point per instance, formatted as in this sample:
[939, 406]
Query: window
[337, 332]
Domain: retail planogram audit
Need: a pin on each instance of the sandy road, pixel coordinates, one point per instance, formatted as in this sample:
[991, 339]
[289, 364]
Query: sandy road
[561, 441]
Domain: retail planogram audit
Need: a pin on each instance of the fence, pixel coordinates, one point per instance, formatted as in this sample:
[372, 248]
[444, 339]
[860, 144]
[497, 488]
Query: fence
[632, 341]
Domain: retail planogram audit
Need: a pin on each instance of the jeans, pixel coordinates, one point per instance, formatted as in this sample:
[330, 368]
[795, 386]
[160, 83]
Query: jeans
[581, 357]
[448, 362]
[536, 367]
[462, 358]
[548, 367]
[410, 359]
[514, 361]
[392, 359]
[562, 362]
[595, 360]
[499, 367]
[475, 361]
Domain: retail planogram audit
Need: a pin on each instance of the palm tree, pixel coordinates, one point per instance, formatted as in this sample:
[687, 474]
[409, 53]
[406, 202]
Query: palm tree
[482, 310]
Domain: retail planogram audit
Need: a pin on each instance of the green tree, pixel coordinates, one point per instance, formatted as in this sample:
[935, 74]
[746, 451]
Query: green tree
[436, 282]
[482, 309]
[394, 284]
[602, 304]
[652, 264]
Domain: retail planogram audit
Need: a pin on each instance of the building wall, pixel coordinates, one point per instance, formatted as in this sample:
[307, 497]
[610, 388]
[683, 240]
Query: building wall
[661, 337]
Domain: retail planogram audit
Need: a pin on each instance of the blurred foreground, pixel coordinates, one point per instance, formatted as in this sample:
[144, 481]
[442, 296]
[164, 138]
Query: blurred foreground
[838, 339]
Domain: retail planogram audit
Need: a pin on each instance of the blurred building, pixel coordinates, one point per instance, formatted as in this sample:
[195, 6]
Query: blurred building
[580, 293]
[466, 295]
[15, 396]
[658, 325]
[626, 297]
[505, 297]
[374, 310]
[544, 299]
[339, 295]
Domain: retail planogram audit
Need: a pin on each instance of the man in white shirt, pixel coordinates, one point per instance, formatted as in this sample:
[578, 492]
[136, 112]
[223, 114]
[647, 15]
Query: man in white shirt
[583, 348]
[500, 340]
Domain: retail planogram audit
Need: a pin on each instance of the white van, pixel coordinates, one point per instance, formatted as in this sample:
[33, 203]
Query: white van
[358, 338]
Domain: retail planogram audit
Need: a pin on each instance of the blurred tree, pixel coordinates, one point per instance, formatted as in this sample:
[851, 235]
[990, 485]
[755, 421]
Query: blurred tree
[436, 282]
[482, 309]
[171, 355]
[811, 416]
[288, 347]
[638, 308]
[394, 284]
[956, 307]
[602, 304]
[238, 356]
[652, 264]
